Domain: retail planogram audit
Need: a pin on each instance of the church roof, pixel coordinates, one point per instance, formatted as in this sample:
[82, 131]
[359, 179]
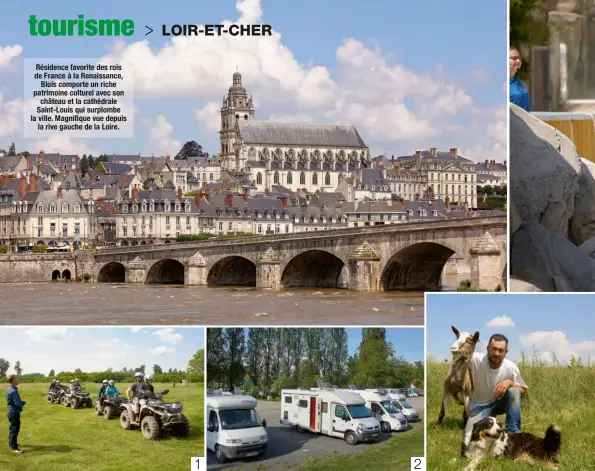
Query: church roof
[299, 134]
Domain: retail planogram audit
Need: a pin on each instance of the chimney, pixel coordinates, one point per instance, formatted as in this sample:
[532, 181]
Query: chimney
[393, 159]
[40, 156]
[4, 180]
[180, 193]
[28, 162]
[167, 158]
[246, 197]
[59, 192]
[207, 196]
[398, 169]
[114, 156]
[433, 151]
[418, 159]
[197, 198]
[112, 211]
[135, 193]
[123, 182]
[229, 200]
[487, 164]
[283, 201]
[454, 152]
[136, 169]
[23, 186]
[224, 188]
[38, 168]
[32, 182]
[447, 203]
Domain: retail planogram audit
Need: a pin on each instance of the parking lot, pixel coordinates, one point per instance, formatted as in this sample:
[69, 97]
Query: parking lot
[289, 448]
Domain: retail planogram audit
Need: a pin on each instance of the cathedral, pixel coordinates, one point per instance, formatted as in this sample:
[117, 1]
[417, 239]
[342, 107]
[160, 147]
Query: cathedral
[311, 156]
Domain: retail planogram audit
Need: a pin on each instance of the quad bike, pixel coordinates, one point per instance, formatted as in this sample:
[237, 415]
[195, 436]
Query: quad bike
[156, 416]
[78, 398]
[111, 407]
[55, 396]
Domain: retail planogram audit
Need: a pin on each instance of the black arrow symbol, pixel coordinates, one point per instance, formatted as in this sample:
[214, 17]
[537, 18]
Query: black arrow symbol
[149, 31]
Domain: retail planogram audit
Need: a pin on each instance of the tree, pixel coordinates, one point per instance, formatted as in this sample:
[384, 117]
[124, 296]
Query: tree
[254, 354]
[90, 161]
[17, 368]
[141, 369]
[26, 153]
[157, 370]
[12, 150]
[78, 371]
[234, 355]
[375, 365]
[4, 365]
[196, 365]
[52, 373]
[84, 165]
[527, 28]
[124, 369]
[190, 149]
[215, 355]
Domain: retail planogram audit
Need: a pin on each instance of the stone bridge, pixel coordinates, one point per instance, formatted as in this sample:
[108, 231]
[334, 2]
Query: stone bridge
[408, 256]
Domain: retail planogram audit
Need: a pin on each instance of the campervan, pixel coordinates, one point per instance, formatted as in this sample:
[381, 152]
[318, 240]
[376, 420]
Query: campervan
[390, 418]
[334, 413]
[234, 429]
[401, 403]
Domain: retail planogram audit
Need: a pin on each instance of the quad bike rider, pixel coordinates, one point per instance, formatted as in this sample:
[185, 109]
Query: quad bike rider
[112, 402]
[78, 398]
[55, 392]
[100, 398]
[154, 415]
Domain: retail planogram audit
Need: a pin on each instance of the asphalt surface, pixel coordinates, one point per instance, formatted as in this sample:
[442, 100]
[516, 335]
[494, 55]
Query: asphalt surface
[290, 449]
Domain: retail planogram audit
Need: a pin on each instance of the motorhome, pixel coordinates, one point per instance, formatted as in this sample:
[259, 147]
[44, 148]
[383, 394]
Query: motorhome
[330, 412]
[234, 429]
[390, 418]
[400, 402]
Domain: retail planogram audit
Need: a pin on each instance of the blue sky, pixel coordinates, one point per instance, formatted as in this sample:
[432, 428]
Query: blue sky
[557, 324]
[408, 342]
[405, 74]
[40, 349]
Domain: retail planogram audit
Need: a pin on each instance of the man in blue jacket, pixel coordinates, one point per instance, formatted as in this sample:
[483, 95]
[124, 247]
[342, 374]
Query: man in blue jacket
[15, 407]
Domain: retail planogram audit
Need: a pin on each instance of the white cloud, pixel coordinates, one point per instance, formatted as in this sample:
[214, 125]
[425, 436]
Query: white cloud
[209, 118]
[111, 344]
[480, 75]
[11, 115]
[548, 344]
[288, 118]
[500, 321]
[135, 330]
[62, 144]
[46, 334]
[168, 336]
[160, 136]
[158, 351]
[8, 53]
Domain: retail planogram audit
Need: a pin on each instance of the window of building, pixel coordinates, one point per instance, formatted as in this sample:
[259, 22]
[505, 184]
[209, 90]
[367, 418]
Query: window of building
[259, 178]
[167, 220]
[167, 207]
[220, 226]
[65, 208]
[327, 179]
[276, 178]
[152, 207]
[289, 178]
[211, 176]
[314, 178]
[177, 220]
[187, 207]
[144, 207]
[40, 208]
[302, 178]
[135, 208]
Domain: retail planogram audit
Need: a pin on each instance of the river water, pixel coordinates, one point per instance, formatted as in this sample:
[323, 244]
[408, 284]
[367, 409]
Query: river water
[62, 303]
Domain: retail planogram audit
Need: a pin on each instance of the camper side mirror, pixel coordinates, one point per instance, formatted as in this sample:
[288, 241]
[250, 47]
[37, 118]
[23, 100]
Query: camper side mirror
[346, 419]
[264, 423]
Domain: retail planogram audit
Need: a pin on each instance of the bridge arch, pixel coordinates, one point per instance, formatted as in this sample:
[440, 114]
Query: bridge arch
[56, 275]
[66, 275]
[313, 269]
[232, 271]
[113, 272]
[167, 271]
[417, 267]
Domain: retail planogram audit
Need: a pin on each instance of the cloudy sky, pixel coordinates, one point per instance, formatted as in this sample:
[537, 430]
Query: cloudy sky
[408, 75]
[547, 324]
[41, 349]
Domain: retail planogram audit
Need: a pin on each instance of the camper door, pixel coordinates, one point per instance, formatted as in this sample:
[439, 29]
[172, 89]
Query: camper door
[341, 419]
[212, 429]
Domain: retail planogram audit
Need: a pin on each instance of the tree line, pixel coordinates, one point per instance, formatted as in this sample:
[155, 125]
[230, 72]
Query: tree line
[271, 359]
[194, 373]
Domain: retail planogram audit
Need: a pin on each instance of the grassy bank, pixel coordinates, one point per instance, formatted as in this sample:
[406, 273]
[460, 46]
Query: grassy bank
[394, 455]
[557, 395]
[56, 438]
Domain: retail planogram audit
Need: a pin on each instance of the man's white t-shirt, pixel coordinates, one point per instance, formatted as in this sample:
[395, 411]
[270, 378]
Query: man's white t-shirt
[485, 378]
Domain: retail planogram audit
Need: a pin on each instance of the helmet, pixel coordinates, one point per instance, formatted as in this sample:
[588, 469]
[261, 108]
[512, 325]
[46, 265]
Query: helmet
[53, 381]
[104, 381]
[57, 381]
[71, 381]
[76, 380]
[138, 374]
[111, 382]
[149, 378]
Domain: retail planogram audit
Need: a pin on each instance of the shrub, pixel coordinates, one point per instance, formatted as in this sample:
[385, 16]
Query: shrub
[40, 249]
[4, 249]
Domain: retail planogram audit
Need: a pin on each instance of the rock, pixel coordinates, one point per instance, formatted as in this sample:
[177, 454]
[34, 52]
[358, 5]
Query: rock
[545, 170]
[588, 248]
[582, 226]
[515, 217]
[520, 286]
[548, 261]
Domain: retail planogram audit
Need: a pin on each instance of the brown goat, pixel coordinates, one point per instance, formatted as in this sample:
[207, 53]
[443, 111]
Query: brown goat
[458, 384]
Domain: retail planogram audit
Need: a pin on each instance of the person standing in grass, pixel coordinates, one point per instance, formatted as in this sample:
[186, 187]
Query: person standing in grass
[15, 407]
[518, 93]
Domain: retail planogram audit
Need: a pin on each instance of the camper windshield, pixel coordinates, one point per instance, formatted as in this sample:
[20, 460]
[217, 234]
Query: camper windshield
[359, 412]
[389, 407]
[406, 405]
[397, 405]
[239, 418]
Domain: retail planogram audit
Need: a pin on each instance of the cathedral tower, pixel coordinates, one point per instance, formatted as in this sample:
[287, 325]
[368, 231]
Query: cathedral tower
[236, 105]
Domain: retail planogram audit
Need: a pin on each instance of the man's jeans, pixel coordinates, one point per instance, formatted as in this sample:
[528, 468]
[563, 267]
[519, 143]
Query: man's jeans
[14, 418]
[509, 404]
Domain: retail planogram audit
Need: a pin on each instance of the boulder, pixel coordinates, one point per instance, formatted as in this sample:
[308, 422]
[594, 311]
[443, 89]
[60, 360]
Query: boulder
[520, 286]
[515, 218]
[549, 261]
[545, 171]
[582, 226]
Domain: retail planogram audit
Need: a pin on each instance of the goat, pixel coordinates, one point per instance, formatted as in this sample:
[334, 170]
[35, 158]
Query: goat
[458, 384]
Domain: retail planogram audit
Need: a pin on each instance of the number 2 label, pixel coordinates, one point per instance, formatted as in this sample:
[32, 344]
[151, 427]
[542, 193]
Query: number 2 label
[418, 464]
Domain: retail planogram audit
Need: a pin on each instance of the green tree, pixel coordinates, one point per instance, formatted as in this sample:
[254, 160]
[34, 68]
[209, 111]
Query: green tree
[52, 373]
[78, 371]
[375, 362]
[18, 369]
[234, 355]
[254, 354]
[196, 365]
[84, 165]
[157, 370]
[527, 28]
[141, 369]
[4, 365]
[215, 355]
[308, 374]
[12, 150]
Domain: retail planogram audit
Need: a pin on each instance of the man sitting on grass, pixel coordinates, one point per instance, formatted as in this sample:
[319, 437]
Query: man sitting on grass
[497, 387]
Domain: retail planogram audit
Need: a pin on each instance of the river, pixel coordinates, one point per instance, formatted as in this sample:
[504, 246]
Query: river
[61, 303]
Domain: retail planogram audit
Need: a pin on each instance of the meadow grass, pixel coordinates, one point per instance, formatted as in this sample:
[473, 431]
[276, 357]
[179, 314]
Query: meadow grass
[557, 395]
[56, 438]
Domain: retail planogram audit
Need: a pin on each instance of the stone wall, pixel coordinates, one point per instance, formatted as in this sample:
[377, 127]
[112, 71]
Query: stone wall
[35, 268]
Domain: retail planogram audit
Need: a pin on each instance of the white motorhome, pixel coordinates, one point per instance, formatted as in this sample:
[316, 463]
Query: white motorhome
[234, 429]
[340, 414]
[400, 402]
[390, 418]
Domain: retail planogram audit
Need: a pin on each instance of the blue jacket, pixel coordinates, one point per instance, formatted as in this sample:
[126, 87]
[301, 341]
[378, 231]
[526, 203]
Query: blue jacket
[102, 391]
[112, 391]
[13, 399]
[519, 94]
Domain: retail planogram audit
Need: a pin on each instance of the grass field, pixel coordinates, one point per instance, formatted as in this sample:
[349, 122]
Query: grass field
[561, 395]
[56, 438]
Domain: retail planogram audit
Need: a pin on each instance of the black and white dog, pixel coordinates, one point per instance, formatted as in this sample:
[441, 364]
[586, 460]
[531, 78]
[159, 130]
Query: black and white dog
[489, 439]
